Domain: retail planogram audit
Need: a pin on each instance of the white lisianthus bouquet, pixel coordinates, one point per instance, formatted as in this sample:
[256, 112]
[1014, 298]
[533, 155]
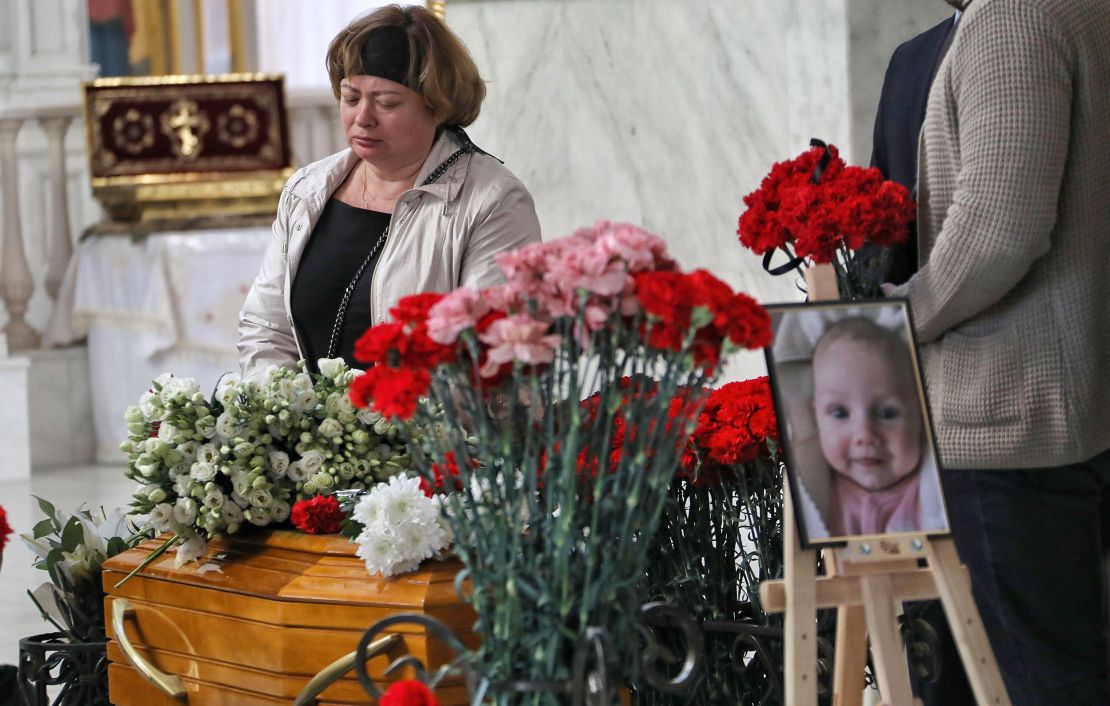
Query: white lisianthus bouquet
[207, 467]
[401, 526]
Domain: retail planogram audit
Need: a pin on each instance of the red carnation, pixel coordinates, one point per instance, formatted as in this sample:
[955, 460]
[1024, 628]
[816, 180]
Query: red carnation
[733, 429]
[414, 309]
[318, 515]
[392, 391]
[442, 473]
[5, 530]
[847, 208]
[408, 692]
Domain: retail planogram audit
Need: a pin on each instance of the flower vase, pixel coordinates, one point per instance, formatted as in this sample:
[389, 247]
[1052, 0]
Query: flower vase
[56, 672]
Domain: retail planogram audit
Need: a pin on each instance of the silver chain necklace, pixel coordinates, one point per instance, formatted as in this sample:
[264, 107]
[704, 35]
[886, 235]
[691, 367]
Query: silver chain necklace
[341, 314]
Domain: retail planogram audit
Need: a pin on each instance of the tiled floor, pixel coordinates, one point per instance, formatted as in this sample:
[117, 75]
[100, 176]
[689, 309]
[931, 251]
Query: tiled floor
[67, 488]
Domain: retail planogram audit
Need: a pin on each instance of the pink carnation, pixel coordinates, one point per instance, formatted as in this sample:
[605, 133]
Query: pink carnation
[637, 247]
[517, 337]
[455, 313]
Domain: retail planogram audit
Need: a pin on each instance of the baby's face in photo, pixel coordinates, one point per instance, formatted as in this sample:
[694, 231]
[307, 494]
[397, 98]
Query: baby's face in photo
[868, 419]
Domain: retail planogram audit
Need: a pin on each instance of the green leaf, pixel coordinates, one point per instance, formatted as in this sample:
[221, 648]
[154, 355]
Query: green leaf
[73, 534]
[48, 509]
[43, 528]
[116, 545]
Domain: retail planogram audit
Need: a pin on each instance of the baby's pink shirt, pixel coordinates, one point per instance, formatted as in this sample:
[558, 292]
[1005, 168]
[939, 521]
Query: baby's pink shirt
[855, 510]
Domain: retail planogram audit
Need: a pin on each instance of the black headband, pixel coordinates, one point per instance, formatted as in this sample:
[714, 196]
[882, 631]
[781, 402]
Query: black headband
[385, 54]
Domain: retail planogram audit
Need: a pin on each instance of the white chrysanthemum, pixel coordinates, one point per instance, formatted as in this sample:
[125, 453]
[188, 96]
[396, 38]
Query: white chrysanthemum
[259, 516]
[401, 527]
[376, 548]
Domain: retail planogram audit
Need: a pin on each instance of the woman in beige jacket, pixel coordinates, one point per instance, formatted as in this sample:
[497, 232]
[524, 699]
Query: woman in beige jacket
[411, 206]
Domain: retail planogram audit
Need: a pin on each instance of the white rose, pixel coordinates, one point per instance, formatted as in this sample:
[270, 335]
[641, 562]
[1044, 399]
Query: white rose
[303, 400]
[162, 517]
[261, 498]
[279, 463]
[229, 390]
[214, 499]
[185, 511]
[232, 513]
[330, 428]
[166, 432]
[189, 550]
[227, 426]
[280, 511]
[331, 368]
[202, 472]
[260, 516]
[297, 472]
[208, 453]
[312, 460]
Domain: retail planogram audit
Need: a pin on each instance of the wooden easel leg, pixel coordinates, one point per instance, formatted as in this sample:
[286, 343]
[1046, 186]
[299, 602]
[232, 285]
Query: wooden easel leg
[954, 587]
[800, 569]
[851, 656]
[886, 642]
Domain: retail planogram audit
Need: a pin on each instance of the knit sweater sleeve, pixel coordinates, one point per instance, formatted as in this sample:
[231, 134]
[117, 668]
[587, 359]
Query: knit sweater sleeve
[1009, 102]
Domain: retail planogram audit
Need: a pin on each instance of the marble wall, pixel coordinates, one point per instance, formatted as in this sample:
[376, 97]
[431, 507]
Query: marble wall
[665, 113]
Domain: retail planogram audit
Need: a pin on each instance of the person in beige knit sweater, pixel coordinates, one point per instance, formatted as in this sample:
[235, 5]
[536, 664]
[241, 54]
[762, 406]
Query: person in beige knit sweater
[1012, 306]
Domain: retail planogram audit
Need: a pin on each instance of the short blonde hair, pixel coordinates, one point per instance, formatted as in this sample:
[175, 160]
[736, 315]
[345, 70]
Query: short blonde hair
[440, 68]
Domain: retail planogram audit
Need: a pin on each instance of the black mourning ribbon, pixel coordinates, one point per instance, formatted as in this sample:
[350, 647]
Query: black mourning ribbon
[795, 262]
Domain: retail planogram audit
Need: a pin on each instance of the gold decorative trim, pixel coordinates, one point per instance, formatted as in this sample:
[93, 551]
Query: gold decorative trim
[174, 21]
[438, 8]
[198, 21]
[182, 78]
[237, 36]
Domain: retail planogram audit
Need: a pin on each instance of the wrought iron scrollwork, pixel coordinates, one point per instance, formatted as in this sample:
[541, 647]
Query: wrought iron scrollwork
[672, 658]
[79, 669]
[435, 629]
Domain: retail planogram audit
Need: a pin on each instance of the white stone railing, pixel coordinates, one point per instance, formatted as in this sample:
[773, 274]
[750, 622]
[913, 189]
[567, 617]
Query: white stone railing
[314, 133]
[17, 283]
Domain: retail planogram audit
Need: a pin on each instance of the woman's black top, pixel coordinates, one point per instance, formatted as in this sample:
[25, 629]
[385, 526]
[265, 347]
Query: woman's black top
[342, 239]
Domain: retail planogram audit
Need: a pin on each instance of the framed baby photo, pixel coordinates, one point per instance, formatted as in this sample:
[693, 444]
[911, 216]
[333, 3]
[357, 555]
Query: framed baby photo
[854, 422]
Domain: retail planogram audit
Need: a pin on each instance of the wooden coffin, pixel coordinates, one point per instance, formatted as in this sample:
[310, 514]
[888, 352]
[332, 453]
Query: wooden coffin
[257, 617]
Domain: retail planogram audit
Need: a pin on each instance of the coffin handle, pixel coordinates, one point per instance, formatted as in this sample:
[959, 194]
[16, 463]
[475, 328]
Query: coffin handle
[166, 683]
[334, 671]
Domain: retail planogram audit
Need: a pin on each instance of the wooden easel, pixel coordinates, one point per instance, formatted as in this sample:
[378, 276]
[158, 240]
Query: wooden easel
[866, 582]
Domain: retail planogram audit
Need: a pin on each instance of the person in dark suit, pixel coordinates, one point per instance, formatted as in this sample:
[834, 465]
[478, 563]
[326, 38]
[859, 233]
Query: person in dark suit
[898, 122]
